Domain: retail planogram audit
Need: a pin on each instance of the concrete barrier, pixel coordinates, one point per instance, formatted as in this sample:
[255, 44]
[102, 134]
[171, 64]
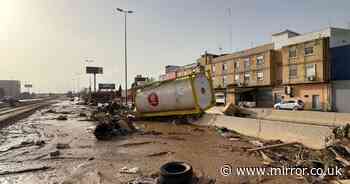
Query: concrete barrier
[311, 136]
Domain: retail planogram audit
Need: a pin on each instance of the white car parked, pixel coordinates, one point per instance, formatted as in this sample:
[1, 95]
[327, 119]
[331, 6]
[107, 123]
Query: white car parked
[220, 98]
[290, 104]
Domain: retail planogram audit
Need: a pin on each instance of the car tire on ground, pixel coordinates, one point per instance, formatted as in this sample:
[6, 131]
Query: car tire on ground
[278, 108]
[295, 108]
[176, 173]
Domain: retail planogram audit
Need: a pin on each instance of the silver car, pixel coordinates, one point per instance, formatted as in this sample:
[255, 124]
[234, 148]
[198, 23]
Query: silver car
[290, 104]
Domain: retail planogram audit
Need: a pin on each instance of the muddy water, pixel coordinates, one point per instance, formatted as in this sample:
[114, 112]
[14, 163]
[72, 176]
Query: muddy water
[27, 144]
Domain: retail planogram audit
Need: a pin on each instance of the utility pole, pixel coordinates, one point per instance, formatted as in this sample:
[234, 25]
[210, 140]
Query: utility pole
[95, 82]
[230, 29]
[125, 52]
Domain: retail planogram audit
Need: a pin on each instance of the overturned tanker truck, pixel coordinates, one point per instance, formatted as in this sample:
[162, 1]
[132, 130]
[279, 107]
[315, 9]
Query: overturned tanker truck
[188, 95]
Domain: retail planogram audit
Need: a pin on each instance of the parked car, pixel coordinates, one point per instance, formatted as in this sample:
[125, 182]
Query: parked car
[290, 104]
[219, 99]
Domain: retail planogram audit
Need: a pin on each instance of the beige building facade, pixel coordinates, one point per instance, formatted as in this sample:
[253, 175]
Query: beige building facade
[293, 66]
[245, 75]
[306, 74]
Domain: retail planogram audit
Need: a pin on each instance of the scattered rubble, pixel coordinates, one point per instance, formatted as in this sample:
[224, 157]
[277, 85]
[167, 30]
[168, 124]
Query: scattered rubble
[152, 132]
[262, 147]
[227, 133]
[55, 153]
[133, 170]
[234, 110]
[113, 120]
[50, 111]
[256, 143]
[159, 154]
[41, 168]
[144, 180]
[135, 144]
[82, 114]
[293, 154]
[62, 146]
[62, 118]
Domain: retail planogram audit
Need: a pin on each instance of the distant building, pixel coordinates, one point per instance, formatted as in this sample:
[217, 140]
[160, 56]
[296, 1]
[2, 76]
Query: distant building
[171, 68]
[173, 71]
[10, 88]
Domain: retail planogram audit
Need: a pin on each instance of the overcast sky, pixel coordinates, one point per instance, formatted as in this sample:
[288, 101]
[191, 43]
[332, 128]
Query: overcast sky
[45, 42]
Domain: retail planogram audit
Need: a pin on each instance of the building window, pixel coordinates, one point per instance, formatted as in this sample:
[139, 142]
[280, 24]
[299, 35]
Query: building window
[292, 52]
[224, 81]
[246, 63]
[214, 68]
[310, 70]
[236, 65]
[236, 77]
[260, 75]
[246, 76]
[259, 60]
[293, 71]
[224, 67]
[309, 51]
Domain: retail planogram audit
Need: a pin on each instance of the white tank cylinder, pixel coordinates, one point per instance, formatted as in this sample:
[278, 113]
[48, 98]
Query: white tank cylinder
[187, 94]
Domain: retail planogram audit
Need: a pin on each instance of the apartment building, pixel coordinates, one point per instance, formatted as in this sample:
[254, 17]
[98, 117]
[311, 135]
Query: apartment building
[314, 69]
[310, 67]
[305, 74]
[245, 76]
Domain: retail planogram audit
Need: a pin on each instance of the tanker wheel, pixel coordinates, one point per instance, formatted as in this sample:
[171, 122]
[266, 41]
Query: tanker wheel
[176, 173]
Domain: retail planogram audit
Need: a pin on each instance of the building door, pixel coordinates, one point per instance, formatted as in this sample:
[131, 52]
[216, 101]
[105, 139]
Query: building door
[277, 98]
[316, 104]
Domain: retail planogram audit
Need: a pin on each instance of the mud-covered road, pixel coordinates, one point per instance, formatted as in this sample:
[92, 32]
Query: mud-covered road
[41, 149]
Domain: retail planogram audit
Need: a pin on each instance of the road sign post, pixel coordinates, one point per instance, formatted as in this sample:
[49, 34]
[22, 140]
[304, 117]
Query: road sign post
[94, 71]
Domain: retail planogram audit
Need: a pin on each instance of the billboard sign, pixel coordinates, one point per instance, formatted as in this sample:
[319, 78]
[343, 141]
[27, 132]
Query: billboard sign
[106, 86]
[94, 70]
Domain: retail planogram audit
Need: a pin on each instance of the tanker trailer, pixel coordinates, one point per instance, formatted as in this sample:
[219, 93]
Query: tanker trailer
[191, 94]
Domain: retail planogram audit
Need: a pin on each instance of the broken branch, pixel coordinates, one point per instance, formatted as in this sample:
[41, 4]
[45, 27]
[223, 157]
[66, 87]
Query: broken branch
[272, 146]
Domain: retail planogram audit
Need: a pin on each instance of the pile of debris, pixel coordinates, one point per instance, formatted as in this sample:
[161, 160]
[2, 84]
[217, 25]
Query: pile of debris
[113, 120]
[277, 154]
[234, 110]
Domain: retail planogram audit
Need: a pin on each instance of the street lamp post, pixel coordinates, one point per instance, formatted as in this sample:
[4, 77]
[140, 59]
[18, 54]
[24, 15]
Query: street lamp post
[125, 52]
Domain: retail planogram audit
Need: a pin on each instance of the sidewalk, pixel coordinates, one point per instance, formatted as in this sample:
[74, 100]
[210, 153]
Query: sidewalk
[311, 117]
[302, 117]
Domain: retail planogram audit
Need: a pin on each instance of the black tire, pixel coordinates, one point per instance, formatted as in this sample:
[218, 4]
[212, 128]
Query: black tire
[295, 108]
[278, 108]
[176, 173]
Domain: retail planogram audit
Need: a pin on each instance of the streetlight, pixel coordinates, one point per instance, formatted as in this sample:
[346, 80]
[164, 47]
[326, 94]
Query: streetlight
[125, 52]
